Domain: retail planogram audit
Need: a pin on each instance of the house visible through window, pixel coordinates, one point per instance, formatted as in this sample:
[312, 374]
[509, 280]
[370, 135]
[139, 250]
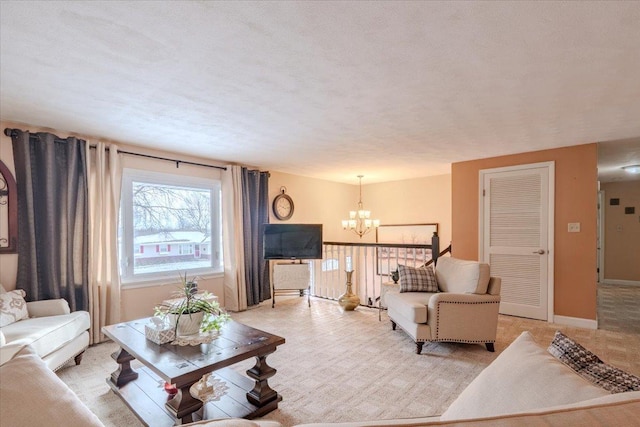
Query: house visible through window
[170, 224]
[186, 249]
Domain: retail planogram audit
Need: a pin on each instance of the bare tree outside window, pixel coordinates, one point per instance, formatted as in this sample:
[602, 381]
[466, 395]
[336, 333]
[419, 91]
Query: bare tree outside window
[171, 227]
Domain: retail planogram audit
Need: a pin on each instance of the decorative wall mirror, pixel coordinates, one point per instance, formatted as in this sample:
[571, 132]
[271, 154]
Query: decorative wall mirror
[8, 211]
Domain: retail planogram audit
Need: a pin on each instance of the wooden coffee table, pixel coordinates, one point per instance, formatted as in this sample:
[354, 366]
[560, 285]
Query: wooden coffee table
[183, 366]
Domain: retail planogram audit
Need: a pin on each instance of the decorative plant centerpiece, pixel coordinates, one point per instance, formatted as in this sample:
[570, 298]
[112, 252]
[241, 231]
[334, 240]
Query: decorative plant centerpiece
[191, 313]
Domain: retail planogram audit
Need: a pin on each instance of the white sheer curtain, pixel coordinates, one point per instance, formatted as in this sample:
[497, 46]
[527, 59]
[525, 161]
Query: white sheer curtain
[235, 291]
[105, 176]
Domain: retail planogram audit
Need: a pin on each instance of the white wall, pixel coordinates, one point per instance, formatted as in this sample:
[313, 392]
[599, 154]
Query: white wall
[136, 302]
[415, 201]
[139, 302]
[316, 201]
[8, 262]
[622, 231]
[412, 201]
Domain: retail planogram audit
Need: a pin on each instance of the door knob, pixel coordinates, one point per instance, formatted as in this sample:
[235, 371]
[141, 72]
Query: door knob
[539, 252]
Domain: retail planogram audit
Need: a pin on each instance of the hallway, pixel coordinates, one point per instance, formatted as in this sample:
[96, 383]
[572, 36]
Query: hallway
[619, 308]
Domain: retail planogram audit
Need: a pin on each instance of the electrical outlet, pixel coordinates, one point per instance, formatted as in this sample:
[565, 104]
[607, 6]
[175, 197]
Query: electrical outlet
[574, 227]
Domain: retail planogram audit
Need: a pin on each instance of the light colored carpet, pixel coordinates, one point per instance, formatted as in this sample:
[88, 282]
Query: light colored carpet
[339, 366]
[619, 308]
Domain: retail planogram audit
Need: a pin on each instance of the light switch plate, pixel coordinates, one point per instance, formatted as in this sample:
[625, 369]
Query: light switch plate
[574, 227]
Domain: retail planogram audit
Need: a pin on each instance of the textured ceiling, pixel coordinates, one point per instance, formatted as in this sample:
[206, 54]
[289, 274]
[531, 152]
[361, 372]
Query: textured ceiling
[612, 155]
[390, 90]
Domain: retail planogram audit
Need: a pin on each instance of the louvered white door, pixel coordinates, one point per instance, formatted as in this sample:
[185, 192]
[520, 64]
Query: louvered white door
[515, 237]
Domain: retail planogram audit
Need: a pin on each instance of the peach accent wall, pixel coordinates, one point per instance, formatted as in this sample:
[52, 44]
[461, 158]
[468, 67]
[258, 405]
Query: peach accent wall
[622, 231]
[575, 201]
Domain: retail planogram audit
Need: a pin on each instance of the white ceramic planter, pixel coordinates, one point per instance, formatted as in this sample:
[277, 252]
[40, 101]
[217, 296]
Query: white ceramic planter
[188, 324]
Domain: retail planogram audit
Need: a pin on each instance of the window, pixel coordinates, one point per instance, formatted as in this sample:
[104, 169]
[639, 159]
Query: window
[330, 264]
[165, 220]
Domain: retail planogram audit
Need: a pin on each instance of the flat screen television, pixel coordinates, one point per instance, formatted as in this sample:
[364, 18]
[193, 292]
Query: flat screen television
[292, 241]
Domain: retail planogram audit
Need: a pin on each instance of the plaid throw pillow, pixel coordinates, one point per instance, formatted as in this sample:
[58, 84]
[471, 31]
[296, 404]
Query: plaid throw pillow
[571, 353]
[421, 279]
[590, 367]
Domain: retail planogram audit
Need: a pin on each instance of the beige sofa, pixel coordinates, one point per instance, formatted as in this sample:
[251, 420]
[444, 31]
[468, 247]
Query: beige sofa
[464, 310]
[54, 333]
[525, 385]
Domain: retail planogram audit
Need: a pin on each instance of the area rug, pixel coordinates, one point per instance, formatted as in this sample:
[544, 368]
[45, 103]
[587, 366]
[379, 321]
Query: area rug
[349, 366]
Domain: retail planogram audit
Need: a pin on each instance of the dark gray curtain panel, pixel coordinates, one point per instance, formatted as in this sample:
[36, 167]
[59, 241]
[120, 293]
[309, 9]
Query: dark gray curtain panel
[255, 199]
[52, 217]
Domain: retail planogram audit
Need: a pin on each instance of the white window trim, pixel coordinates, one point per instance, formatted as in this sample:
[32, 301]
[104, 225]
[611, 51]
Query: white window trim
[126, 253]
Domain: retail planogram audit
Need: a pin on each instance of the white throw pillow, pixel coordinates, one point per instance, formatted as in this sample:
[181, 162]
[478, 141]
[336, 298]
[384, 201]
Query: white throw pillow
[462, 276]
[12, 307]
[524, 377]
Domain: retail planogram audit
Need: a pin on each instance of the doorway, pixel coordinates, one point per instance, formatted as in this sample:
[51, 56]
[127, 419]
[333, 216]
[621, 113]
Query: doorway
[618, 289]
[516, 236]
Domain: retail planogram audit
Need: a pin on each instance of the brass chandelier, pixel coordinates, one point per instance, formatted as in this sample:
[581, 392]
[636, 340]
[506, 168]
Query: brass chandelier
[360, 221]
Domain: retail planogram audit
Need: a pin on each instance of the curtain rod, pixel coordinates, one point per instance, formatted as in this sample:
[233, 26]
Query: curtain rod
[176, 161]
[10, 132]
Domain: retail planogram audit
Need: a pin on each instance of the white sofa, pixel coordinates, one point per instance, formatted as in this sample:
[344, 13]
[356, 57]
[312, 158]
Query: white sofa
[464, 310]
[525, 385]
[54, 333]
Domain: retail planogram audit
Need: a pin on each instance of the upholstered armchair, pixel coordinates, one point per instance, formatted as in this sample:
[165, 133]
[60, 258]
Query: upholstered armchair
[458, 302]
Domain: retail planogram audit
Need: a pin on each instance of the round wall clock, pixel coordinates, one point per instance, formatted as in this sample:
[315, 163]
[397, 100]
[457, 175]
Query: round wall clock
[283, 205]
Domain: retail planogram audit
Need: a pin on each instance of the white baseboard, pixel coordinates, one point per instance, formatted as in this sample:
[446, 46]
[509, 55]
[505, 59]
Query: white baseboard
[576, 321]
[620, 282]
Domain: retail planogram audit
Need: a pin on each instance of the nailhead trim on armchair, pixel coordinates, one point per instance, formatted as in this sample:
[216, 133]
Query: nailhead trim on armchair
[455, 339]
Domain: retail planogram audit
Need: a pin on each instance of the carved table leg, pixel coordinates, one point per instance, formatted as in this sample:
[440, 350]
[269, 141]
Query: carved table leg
[124, 373]
[261, 394]
[183, 405]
